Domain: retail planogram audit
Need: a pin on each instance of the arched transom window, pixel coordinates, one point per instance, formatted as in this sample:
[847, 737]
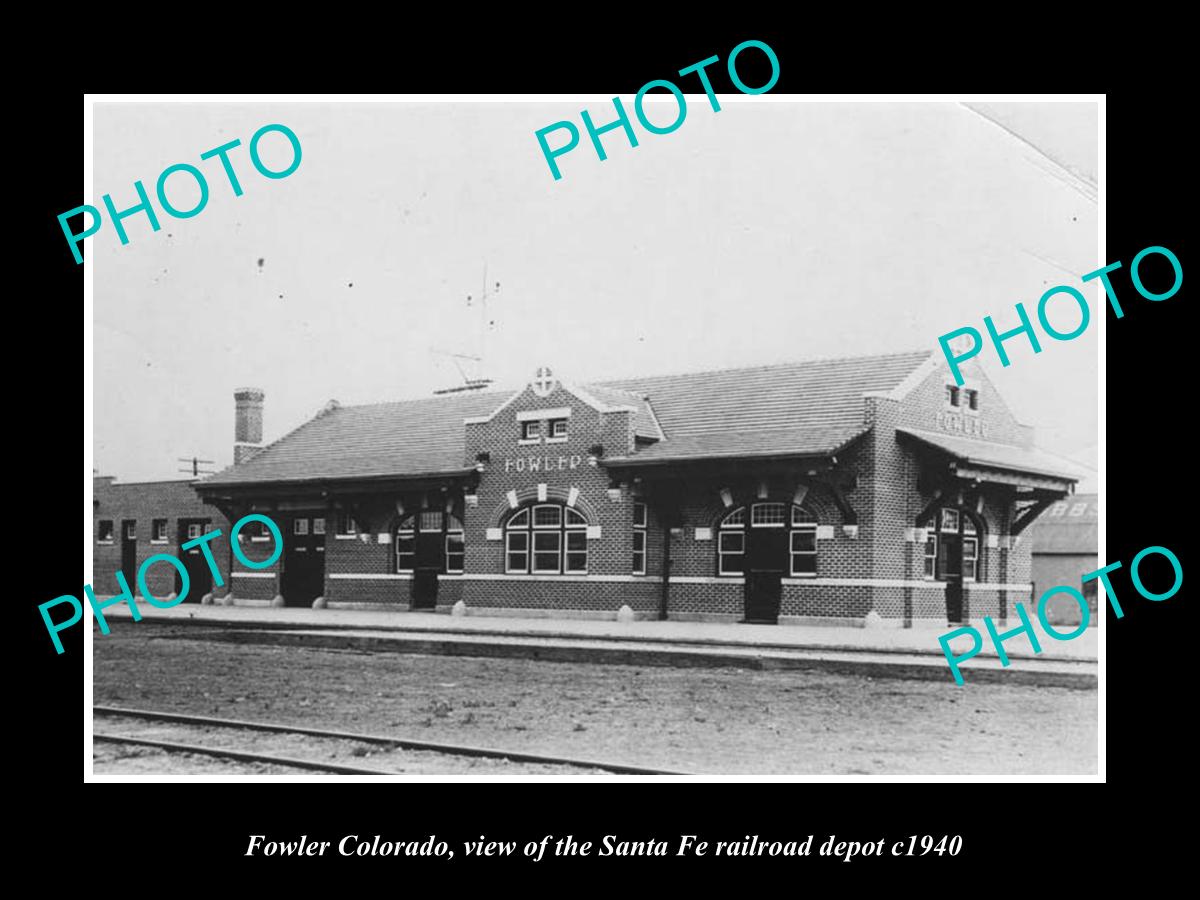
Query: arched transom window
[430, 538]
[545, 539]
[736, 535]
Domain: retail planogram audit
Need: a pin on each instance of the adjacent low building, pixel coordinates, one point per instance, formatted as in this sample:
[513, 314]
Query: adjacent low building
[133, 522]
[864, 490]
[1065, 546]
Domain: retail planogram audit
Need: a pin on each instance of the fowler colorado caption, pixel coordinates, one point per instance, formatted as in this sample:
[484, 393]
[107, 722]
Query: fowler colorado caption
[611, 845]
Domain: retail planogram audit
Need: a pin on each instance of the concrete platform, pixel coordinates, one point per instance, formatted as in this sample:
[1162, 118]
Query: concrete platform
[908, 653]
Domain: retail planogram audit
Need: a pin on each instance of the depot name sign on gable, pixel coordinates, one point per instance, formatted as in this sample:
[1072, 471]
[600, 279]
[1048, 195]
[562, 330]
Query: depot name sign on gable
[542, 463]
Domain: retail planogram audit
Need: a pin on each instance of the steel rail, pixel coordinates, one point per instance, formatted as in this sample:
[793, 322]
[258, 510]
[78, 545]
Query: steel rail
[402, 743]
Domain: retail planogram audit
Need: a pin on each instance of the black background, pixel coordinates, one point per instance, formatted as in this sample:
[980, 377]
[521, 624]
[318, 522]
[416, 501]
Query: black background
[200, 830]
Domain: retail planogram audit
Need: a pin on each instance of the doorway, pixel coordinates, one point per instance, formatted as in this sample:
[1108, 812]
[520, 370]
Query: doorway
[129, 551]
[766, 563]
[303, 577]
[199, 573]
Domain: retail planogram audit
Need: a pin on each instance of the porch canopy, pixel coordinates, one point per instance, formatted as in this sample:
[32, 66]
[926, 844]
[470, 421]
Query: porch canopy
[952, 464]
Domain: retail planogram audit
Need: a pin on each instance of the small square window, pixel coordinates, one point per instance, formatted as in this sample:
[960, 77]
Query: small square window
[1079, 509]
[193, 530]
[158, 531]
[346, 524]
[300, 526]
[950, 520]
[531, 431]
[104, 531]
[558, 428]
[318, 525]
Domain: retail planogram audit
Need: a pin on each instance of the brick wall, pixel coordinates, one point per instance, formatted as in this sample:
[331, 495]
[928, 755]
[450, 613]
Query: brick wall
[143, 502]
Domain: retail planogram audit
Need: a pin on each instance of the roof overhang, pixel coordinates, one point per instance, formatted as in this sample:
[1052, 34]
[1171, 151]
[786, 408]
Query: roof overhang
[983, 461]
[321, 487]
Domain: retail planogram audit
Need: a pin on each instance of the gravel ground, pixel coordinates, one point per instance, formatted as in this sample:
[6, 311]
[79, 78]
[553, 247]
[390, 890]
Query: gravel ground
[716, 721]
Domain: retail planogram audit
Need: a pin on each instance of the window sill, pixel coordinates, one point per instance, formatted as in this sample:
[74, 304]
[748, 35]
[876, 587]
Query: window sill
[346, 537]
[528, 442]
[105, 543]
[162, 542]
[557, 440]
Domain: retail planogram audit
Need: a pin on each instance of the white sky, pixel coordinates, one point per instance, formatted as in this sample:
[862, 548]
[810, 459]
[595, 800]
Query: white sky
[770, 231]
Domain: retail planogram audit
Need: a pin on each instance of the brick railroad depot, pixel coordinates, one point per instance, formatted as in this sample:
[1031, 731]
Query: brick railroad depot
[867, 490]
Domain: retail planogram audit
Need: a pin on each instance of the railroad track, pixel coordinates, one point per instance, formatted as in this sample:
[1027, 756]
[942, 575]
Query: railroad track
[329, 766]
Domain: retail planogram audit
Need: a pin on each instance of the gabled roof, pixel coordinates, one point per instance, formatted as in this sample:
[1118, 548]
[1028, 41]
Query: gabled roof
[402, 439]
[813, 407]
[807, 408]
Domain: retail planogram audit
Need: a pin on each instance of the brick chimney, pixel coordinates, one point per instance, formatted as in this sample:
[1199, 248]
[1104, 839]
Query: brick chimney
[247, 427]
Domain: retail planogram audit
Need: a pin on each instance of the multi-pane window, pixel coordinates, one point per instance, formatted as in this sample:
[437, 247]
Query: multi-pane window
[158, 531]
[428, 526]
[734, 532]
[546, 539]
[557, 429]
[768, 515]
[406, 546]
[193, 531]
[318, 525]
[970, 558]
[950, 527]
[456, 548]
[731, 550]
[300, 526]
[129, 529]
[531, 431]
[804, 549]
[346, 524]
[639, 539]
[104, 531]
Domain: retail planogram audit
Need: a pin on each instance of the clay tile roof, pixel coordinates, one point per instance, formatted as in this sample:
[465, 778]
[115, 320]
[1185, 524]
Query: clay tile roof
[405, 438]
[811, 407]
[998, 456]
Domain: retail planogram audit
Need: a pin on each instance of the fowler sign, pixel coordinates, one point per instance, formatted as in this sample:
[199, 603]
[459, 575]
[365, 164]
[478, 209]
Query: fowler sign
[542, 463]
[957, 422]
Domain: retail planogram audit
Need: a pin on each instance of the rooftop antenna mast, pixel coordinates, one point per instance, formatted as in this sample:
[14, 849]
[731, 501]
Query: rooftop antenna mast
[194, 465]
[478, 380]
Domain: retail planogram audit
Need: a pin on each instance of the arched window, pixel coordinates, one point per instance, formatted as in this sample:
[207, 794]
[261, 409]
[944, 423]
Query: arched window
[950, 526]
[545, 539]
[430, 535]
[737, 528]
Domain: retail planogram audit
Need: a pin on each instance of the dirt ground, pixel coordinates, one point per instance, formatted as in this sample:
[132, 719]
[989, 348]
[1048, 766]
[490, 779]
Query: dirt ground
[705, 721]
